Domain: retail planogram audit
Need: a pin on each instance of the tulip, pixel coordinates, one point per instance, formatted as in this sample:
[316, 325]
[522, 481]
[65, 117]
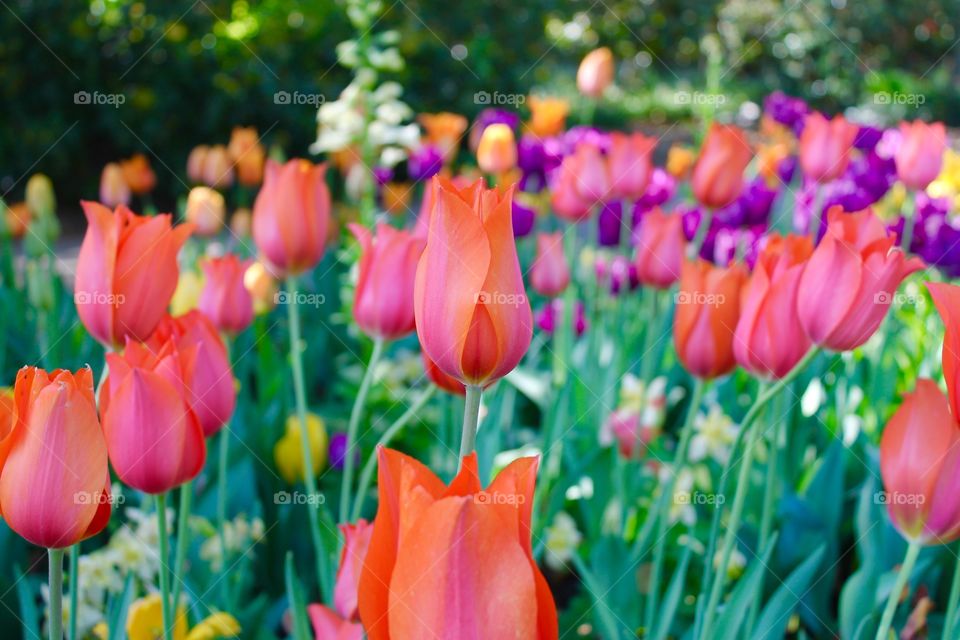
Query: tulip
[383, 302]
[17, 219]
[395, 197]
[263, 287]
[497, 150]
[566, 201]
[680, 161]
[706, 315]
[40, 197]
[631, 164]
[138, 175]
[769, 338]
[54, 480]
[114, 190]
[126, 272]
[217, 169]
[849, 281]
[206, 209]
[186, 297]
[920, 155]
[433, 545]
[327, 625]
[441, 379]
[718, 175]
[472, 313]
[241, 222]
[591, 175]
[247, 154]
[288, 452]
[595, 73]
[550, 274]
[444, 131]
[356, 541]
[547, 116]
[946, 297]
[291, 215]
[825, 146]
[660, 249]
[195, 163]
[225, 299]
[154, 438]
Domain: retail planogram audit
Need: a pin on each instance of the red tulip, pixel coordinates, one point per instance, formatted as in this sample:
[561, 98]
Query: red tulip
[660, 249]
[920, 155]
[825, 146]
[383, 302]
[550, 274]
[225, 299]
[54, 480]
[126, 272]
[849, 281]
[769, 340]
[454, 562]
[356, 542]
[631, 164]
[291, 215]
[473, 316]
[947, 299]
[717, 178]
[327, 625]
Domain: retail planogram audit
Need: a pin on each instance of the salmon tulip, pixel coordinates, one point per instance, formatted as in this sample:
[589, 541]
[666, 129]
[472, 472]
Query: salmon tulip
[591, 173]
[717, 178]
[54, 480]
[356, 541]
[327, 625]
[126, 272]
[439, 378]
[769, 340]
[849, 281]
[217, 171]
[497, 150]
[565, 200]
[195, 163]
[920, 155]
[825, 146]
[292, 214]
[383, 302]
[225, 299]
[454, 562]
[550, 274]
[114, 189]
[138, 174]
[596, 72]
[247, 154]
[946, 297]
[660, 249]
[631, 164]
[472, 312]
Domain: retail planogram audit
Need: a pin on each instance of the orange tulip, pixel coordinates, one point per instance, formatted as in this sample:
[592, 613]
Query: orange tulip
[17, 219]
[769, 338]
[920, 155]
[138, 175]
[217, 169]
[356, 541]
[497, 150]
[114, 189]
[660, 248]
[54, 480]
[206, 209]
[327, 625]
[631, 164]
[946, 297]
[395, 197]
[154, 438]
[550, 274]
[383, 302]
[707, 312]
[444, 131]
[292, 214]
[718, 175]
[454, 561]
[595, 73]
[126, 272]
[548, 116]
[195, 163]
[849, 281]
[680, 162]
[825, 146]
[225, 299]
[473, 316]
[247, 154]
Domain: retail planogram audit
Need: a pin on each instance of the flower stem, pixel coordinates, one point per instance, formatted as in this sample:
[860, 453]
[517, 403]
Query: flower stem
[183, 539]
[164, 556]
[223, 446]
[471, 415]
[909, 221]
[74, 589]
[950, 621]
[55, 558]
[349, 459]
[603, 607]
[905, 569]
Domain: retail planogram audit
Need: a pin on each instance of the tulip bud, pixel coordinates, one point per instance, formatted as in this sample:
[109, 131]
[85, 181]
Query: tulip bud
[444, 131]
[920, 155]
[825, 147]
[263, 287]
[40, 196]
[225, 299]
[497, 151]
[195, 163]
[206, 209]
[241, 223]
[138, 175]
[595, 73]
[217, 167]
[631, 164]
[288, 452]
[718, 175]
[547, 116]
[356, 542]
[248, 155]
[550, 274]
[114, 190]
[660, 249]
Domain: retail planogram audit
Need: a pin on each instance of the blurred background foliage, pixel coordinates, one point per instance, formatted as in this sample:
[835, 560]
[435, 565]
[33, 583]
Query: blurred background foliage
[189, 70]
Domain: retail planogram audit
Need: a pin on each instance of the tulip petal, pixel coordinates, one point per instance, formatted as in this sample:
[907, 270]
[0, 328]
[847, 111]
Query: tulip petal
[946, 297]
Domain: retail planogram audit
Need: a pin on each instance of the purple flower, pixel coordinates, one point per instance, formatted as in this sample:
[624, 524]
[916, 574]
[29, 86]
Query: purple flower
[548, 316]
[867, 137]
[609, 224]
[424, 162]
[661, 189]
[383, 175]
[337, 450]
[524, 217]
[786, 110]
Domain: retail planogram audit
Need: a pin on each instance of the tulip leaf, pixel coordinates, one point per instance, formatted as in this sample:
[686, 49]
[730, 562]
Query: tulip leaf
[534, 386]
[672, 598]
[29, 616]
[773, 620]
[117, 611]
[298, 605]
[746, 591]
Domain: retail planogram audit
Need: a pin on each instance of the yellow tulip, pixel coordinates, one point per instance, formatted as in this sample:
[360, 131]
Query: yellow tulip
[288, 452]
[187, 294]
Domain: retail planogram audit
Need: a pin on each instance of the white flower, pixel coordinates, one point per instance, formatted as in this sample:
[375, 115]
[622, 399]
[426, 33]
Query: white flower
[563, 538]
[714, 433]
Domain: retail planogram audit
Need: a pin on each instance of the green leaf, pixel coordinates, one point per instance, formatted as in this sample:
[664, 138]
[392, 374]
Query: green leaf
[117, 611]
[298, 605]
[672, 598]
[29, 616]
[776, 614]
[746, 591]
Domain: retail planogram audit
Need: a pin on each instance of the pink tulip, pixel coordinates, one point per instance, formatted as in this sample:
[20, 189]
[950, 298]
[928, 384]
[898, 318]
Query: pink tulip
[224, 298]
[631, 164]
[327, 625]
[660, 249]
[920, 155]
[356, 539]
[550, 274]
[825, 146]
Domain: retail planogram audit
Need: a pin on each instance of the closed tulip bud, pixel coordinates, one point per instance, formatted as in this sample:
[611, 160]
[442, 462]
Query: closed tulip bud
[947, 299]
[548, 116]
[850, 280]
[288, 452]
[591, 173]
[441, 379]
[138, 174]
[114, 190]
[225, 299]
[327, 624]
[825, 146]
[920, 467]
[920, 155]
[383, 301]
[550, 273]
[241, 222]
[706, 315]
[195, 163]
[263, 287]
[217, 167]
[126, 272]
[475, 322]
[660, 249]
[565, 200]
[248, 155]
[40, 197]
[154, 438]
[17, 219]
[292, 214]
[769, 339]
[433, 543]
[54, 480]
[356, 541]
[444, 131]
[206, 209]
[680, 161]
[631, 164]
[595, 73]
[718, 175]
[497, 151]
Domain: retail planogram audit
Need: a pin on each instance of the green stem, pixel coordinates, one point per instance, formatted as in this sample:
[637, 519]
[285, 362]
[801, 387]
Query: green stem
[55, 557]
[909, 221]
[651, 304]
[950, 621]
[883, 632]
[349, 459]
[606, 615]
[816, 213]
[693, 249]
[183, 539]
[366, 475]
[164, 556]
[471, 415]
[223, 446]
[74, 589]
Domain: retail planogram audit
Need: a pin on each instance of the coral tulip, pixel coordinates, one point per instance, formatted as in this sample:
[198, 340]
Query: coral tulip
[225, 299]
[473, 316]
[195, 162]
[631, 164]
[591, 174]
[138, 174]
[54, 480]
[291, 215]
[769, 339]
[444, 131]
[497, 150]
[946, 297]
[595, 73]
[825, 146]
[548, 116]
[454, 561]
[920, 155]
[849, 281]
[356, 541]
[247, 154]
[206, 209]
[114, 190]
[706, 316]
[660, 249]
[217, 167]
[126, 272]
[566, 201]
[383, 302]
[327, 625]
[717, 178]
[439, 378]
[550, 274]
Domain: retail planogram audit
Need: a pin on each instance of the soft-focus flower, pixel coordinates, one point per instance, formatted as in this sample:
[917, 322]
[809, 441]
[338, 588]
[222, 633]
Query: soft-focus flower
[565, 200]
[550, 274]
[444, 130]
[631, 163]
[706, 316]
[356, 541]
[395, 197]
[591, 173]
[225, 298]
[206, 209]
[288, 452]
[661, 244]
[946, 297]
[126, 272]
[291, 215]
[54, 481]
[551, 315]
[639, 417]
[769, 339]
[718, 175]
[263, 287]
[17, 219]
[424, 162]
[849, 281]
[825, 146]
[680, 161]
[145, 619]
[595, 73]
[433, 543]
[241, 222]
[39, 195]
[138, 174]
[195, 163]
[216, 625]
[562, 540]
[217, 171]
[497, 149]
[383, 300]
[327, 625]
[713, 436]
[114, 190]
[920, 155]
[548, 115]
[187, 294]
[472, 312]
[248, 155]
